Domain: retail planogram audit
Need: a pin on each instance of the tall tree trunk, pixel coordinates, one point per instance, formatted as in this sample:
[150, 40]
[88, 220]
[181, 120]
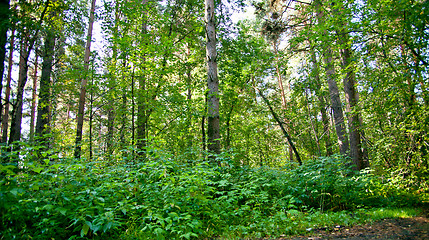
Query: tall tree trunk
[16, 115]
[33, 100]
[5, 120]
[133, 113]
[352, 97]
[352, 104]
[43, 113]
[203, 125]
[124, 109]
[80, 114]
[112, 87]
[141, 99]
[333, 89]
[4, 27]
[91, 118]
[213, 129]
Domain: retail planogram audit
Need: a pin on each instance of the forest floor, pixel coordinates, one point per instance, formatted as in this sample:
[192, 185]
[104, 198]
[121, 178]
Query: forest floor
[415, 228]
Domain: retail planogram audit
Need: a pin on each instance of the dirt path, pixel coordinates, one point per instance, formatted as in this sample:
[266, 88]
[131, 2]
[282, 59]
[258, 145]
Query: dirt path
[416, 228]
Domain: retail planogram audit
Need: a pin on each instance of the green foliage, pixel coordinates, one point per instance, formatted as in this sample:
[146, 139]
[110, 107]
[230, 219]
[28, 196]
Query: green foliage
[168, 198]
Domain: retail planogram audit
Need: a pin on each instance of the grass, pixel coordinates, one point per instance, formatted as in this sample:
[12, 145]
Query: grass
[303, 223]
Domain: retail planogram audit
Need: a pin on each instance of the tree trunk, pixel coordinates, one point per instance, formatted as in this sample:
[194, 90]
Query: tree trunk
[112, 88]
[285, 133]
[141, 100]
[43, 123]
[203, 125]
[325, 119]
[5, 120]
[282, 93]
[4, 27]
[333, 89]
[352, 104]
[213, 129]
[33, 100]
[80, 114]
[16, 119]
[352, 97]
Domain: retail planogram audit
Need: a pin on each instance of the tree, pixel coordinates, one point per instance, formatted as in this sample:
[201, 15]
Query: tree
[84, 81]
[333, 87]
[43, 109]
[27, 44]
[213, 128]
[4, 27]
[5, 117]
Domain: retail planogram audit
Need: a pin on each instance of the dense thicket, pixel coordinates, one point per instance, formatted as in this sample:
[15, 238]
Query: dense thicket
[160, 87]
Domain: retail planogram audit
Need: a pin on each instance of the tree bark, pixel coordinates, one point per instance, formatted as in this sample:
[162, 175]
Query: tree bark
[84, 82]
[213, 129]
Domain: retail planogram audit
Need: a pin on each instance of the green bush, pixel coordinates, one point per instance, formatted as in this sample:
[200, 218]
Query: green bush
[166, 198]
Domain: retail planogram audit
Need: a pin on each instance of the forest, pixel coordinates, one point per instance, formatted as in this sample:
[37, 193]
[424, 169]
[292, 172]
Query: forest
[215, 119]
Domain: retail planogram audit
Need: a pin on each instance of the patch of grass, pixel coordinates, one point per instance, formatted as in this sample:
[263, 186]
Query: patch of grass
[383, 213]
[304, 223]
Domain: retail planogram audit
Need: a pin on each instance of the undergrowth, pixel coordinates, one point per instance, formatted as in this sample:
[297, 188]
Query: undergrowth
[167, 198]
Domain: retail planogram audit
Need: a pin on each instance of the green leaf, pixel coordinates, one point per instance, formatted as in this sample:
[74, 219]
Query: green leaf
[62, 210]
[85, 229]
[37, 169]
[14, 191]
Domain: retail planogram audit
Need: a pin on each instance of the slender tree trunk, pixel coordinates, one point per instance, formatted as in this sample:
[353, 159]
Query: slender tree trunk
[142, 115]
[34, 100]
[228, 127]
[5, 121]
[203, 125]
[112, 88]
[124, 109]
[313, 127]
[325, 118]
[133, 113]
[91, 118]
[84, 82]
[285, 133]
[4, 27]
[213, 129]
[333, 89]
[282, 93]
